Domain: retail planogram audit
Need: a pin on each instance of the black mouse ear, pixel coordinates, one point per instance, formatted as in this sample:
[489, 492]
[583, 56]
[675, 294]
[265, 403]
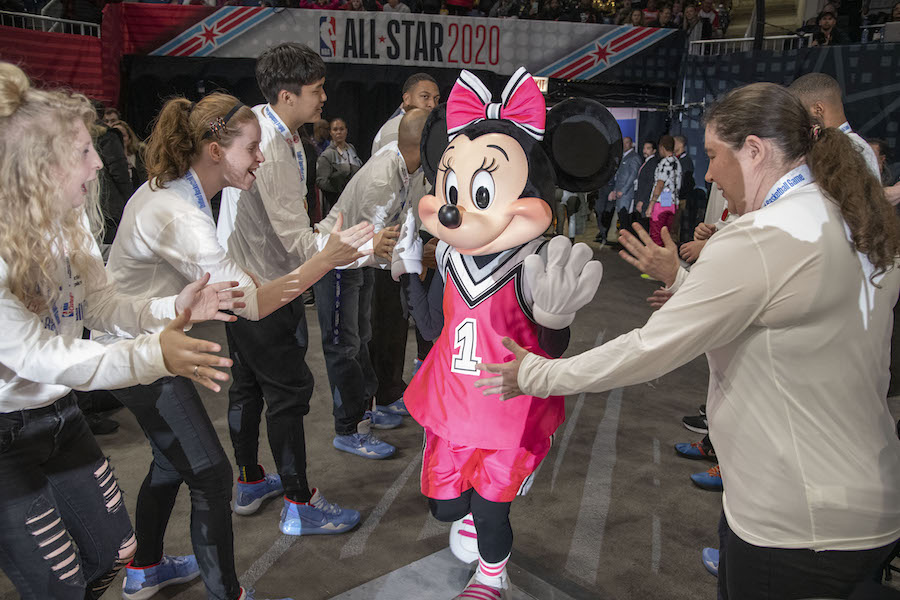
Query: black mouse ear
[434, 142]
[584, 143]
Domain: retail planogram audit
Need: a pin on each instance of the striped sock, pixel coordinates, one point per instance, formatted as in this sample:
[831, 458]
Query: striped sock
[492, 574]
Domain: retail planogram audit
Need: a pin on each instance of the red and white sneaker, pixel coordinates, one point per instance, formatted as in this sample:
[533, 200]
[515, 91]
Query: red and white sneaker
[479, 591]
[464, 539]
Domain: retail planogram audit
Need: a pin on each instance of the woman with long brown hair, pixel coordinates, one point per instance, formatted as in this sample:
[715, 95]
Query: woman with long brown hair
[64, 531]
[167, 234]
[792, 304]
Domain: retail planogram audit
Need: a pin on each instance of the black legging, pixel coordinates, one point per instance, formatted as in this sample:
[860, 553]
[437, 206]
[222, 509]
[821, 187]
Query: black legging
[186, 449]
[495, 536]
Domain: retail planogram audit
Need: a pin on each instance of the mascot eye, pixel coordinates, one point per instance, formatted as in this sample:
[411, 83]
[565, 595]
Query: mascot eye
[451, 188]
[483, 189]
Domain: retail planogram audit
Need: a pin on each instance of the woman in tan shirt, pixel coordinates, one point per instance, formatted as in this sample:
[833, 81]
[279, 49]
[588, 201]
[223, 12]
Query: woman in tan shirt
[792, 304]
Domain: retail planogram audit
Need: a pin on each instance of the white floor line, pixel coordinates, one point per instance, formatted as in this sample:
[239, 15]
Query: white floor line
[656, 545]
[587, 539]
[570, 424]
[265, 562]
[357, 542]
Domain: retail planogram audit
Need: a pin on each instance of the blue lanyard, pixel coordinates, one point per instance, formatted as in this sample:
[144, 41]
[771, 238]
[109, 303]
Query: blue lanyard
[846, 128]
[792, 179]
[199, 197]
[288, 137]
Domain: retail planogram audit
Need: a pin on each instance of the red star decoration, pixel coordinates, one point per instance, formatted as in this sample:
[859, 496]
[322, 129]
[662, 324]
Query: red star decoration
[209, 35]
[381, 39]
[601, 54]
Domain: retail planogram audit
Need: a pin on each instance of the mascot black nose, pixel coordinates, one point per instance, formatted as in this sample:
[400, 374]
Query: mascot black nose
[449, 216]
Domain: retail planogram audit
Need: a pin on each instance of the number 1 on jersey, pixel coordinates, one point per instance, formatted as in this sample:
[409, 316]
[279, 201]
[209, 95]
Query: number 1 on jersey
[464, 361]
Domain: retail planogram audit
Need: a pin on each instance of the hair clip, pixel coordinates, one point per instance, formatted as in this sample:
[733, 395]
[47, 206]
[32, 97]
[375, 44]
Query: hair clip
[814, 132]
[217, 125]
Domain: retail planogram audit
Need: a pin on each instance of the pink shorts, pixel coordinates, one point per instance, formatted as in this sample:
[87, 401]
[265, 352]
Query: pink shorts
[449, 469]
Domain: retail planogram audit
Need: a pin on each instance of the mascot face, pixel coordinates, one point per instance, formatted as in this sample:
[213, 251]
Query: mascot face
[476, 207]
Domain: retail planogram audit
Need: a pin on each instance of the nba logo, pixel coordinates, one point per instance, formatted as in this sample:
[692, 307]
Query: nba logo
[327, 37]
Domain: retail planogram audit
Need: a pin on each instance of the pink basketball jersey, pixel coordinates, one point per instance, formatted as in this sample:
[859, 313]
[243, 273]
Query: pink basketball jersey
[481, 307]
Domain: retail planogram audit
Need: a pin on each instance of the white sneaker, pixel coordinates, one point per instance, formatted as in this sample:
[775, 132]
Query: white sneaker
[464, 539]
[476, 590]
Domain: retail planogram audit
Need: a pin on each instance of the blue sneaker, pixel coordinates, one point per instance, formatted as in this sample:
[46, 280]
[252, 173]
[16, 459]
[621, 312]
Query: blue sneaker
[710, 480]
[694, 451]
[249, 496]
[711, 560]
[318, 516]
[383, 419]
[250, 595]
[364, 443]
[396, 408]
[143, 582]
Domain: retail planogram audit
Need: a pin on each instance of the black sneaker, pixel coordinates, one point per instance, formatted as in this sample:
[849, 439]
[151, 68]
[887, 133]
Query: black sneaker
[697, 424]
[702, 410]
[101, 425]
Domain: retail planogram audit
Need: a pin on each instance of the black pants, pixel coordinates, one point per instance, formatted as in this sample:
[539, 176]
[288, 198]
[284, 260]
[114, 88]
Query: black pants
[495, 536]
[270, 369]
[64, 531]
[185, 449]
[748, 572]
[390, 327]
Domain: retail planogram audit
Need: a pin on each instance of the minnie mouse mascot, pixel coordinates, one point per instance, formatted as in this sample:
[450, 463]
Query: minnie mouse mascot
[495, 168]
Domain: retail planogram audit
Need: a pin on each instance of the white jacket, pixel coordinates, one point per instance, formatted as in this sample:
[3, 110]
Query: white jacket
[798, 344]
[165, 241]
[42, 357]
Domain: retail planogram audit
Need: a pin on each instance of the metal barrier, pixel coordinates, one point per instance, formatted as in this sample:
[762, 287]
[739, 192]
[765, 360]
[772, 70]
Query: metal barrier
[734, 45]
[43, 23]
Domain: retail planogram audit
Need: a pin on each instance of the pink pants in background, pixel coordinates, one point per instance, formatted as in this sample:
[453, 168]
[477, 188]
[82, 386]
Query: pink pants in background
[660, 217]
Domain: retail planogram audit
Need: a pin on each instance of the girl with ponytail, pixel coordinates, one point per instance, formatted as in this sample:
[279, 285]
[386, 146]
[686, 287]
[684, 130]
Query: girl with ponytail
[65, 531]
[168, 236]
[792, 304]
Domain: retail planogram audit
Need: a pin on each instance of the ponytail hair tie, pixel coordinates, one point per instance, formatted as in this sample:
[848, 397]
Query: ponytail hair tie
[814, 132]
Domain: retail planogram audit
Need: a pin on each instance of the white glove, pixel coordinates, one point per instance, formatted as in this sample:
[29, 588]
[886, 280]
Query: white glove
[566, 283]
[407, 256]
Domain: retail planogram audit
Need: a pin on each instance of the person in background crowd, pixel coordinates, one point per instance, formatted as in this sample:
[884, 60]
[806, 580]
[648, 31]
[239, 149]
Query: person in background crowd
[551, 11]
[650, 12]
[395, 6]
[690, 209]
[636, 18]
[821, 95]
[321, 135]
[815, 521]
[643, 186]
[828, 34]
[881, 150]
[391, 325]
[111, 116]
[664, 195]
[64, 531]
[624, 13]
[337, 164]
[709, 14]
[665, 19]
[115, 179]
[134, 150]
[677, 12]
[693, 26]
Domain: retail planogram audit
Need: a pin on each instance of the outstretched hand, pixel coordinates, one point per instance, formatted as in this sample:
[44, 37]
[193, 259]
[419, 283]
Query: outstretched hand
[189, 357]
[507, 381]
[660, 262]
[207, 302]
[343, 245]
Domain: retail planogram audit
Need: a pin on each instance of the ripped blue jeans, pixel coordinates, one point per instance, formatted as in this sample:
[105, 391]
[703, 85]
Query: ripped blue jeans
[64, 530]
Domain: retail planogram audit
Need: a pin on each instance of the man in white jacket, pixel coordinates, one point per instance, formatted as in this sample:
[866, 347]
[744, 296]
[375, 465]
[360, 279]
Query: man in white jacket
[268, 234]
[379, 193]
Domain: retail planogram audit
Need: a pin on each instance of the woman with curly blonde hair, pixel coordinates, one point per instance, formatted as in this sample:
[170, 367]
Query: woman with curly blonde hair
[64, 532]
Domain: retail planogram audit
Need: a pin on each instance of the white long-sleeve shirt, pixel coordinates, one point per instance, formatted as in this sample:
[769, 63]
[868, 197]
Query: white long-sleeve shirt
[798, 344]
[864, 148]
[167, 240]
[266, 229]
[42, 357]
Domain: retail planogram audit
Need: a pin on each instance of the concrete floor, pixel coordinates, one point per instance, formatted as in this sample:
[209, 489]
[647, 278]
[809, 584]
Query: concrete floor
[612, 513]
